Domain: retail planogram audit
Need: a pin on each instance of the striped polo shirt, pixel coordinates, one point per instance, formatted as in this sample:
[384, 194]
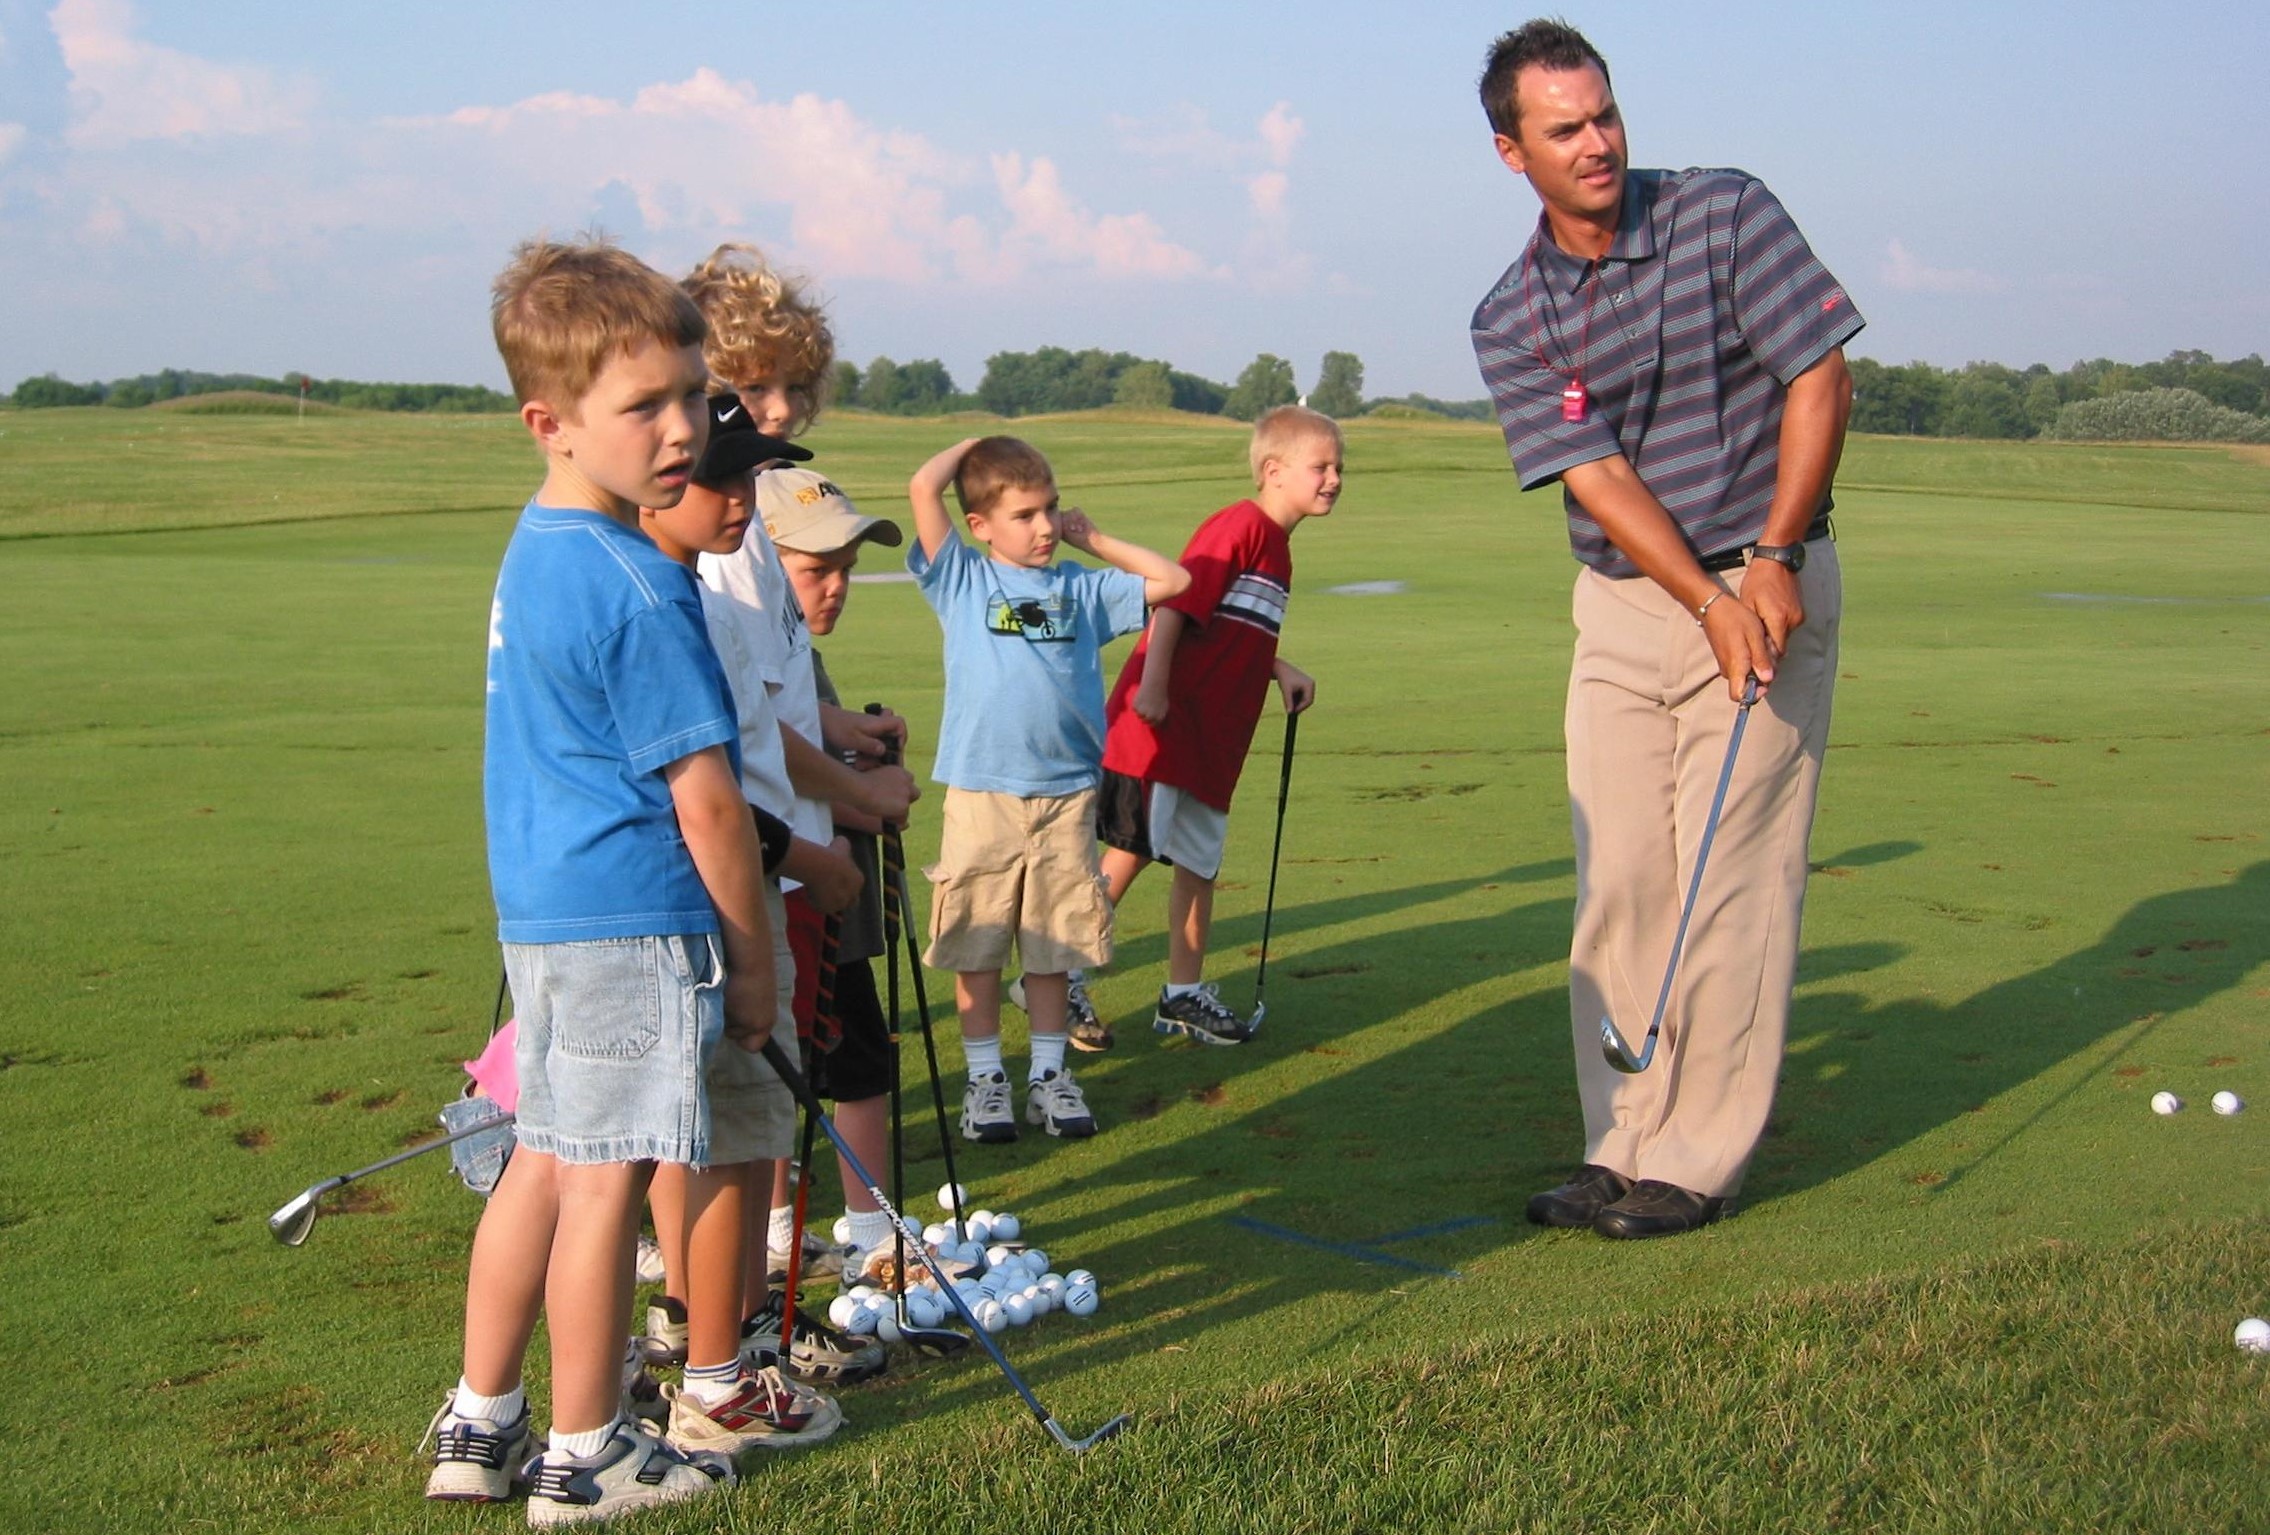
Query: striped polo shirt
[1690, 329]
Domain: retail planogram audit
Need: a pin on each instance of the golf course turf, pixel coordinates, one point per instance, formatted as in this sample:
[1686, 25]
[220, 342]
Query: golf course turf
[1973, 1283]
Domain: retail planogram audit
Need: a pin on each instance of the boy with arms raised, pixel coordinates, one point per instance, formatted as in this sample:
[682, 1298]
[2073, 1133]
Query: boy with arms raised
[1020, 751]
[1183, 714]
[627, 879]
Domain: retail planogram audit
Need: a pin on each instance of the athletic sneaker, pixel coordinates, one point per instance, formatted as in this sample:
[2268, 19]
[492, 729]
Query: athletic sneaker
[986, 1114]
[665, 1340]
[1086, 1030]
[1203, 1016]
[642, 1393]
[649, 1270]
[1055, 1103]
[823, 1259]
[764, 1412]
[817, 1352]
[632, 1470]
[475, 1461]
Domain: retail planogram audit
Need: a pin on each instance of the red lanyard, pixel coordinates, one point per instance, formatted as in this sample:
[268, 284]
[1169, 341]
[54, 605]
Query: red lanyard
[1574, 397]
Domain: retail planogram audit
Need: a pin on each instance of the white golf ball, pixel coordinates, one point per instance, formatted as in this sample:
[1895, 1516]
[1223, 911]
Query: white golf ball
[2252, 1336]
[2166, 1103]
[841, 1310]
[865, 1292]
[970, 1252]
[842, 1230]
[1036, 1260]
[1019, 1310]
[938, 1234]
[1007, 1227]
[1080, 1276]
[887, 1325]
[979, 1228]
[1081, 1299]
[2228, 1103]
[998, 1256]
[990, 1316]
[948, 1193]
[1042, 1302]
[922, 1307]
[1053, 1285]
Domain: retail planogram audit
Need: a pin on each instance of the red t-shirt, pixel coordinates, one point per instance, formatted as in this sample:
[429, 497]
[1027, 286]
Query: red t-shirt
[1241, 570]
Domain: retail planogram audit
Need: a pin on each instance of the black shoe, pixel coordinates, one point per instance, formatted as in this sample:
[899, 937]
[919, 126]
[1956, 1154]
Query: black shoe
[1590, 1189]
[1655, 1209]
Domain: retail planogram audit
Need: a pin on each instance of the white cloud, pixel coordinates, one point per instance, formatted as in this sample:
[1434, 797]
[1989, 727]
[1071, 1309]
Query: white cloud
[1281, 133]
[1047, 223]
[1267, 194]
[124, 89]
[1903, 271]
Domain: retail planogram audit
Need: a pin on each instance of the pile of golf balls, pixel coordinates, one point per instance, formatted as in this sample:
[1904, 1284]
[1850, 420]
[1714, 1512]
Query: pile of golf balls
[1007, 1285]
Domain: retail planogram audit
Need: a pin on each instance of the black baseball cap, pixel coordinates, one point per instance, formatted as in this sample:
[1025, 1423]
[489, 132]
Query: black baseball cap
[735, 444]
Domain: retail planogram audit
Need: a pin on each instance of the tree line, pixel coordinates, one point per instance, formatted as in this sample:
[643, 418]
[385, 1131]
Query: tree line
[48, 391]
[1056, 379]
[1987, 399]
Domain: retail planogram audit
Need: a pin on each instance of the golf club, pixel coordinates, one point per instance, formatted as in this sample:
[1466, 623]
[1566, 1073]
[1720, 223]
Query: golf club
[294, 1221]
[823, 1007]
[803, 1091]
[1612, 1043]
[1269, 908]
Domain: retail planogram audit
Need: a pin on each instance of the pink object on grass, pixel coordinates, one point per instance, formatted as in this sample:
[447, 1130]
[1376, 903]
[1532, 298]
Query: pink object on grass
[493, 1073]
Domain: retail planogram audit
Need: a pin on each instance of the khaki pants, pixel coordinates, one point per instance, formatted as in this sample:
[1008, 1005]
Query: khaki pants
[1648, 722]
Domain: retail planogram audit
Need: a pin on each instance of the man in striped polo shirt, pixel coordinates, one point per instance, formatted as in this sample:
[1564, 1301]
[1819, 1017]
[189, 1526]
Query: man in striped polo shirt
[1669, 349]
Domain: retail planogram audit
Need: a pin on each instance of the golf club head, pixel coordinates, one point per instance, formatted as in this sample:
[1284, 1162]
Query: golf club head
[1619, 1054]
[294, 1221]
[1110, 1430]
[1253, 1024]
[934, 1342]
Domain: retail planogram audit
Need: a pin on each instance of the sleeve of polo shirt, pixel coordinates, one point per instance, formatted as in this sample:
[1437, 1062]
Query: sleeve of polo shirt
[1527, 393]
[1213, 557]
[1791, 309]
[664, 687]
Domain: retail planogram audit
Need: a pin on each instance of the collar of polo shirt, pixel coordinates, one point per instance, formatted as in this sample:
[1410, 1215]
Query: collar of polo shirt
[1635, 234]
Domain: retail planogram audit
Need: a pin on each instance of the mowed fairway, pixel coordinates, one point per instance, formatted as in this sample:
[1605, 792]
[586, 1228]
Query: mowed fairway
[1975, 1283]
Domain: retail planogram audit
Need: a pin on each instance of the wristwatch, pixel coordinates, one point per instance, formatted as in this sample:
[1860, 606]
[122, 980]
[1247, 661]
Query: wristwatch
[1792, 555]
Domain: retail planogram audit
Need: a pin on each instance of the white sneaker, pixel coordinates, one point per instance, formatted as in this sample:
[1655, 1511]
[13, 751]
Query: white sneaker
[1085, 1027]
[633, 1470]
[986, 1113]
[475, 1461]
[666, 1331]
[649, 1270]
[1055, 1103]
[767, 1411]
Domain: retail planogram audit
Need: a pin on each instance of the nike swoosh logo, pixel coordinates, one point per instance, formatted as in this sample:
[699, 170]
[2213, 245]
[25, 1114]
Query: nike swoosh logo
[728, 413]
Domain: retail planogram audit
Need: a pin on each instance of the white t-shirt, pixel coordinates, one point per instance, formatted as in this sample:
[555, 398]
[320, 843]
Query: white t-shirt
[763, 611]
[764, 765]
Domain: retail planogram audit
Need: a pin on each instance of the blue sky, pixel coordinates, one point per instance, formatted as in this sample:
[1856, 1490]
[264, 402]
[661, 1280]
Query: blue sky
[263, 186]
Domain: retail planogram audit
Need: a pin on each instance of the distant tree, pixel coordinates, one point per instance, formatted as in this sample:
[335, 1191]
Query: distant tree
[1903, 401]
[128, 394]
[1339, 391]
[47, 392]
[843, 384]
[1986, 401]
[1200, 396]
[924, 387]
[1266, 383]
[879, 388]
[1147, 384]
[2042, 403]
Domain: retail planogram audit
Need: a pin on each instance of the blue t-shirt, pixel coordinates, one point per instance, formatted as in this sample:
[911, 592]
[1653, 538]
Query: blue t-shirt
[600, 676]
[1024, 667]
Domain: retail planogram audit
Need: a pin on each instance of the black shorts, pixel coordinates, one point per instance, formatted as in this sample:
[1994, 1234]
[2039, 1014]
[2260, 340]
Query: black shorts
[1123, 816]
[859, 1067]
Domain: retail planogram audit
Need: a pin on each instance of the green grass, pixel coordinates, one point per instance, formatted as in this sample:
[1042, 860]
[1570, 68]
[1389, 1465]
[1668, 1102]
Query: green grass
[1975, 1285]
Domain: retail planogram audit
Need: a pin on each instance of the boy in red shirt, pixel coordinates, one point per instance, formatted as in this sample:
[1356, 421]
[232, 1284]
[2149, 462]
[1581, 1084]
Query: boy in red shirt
[1182, 717]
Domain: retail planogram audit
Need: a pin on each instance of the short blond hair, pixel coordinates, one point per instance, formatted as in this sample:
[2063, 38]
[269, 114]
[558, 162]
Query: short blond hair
[562, 310]
[763, 324]
[1281, 430]
[994, 465]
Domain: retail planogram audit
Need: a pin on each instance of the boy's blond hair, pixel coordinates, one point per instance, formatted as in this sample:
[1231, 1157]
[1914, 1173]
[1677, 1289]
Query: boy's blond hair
[997, 464]
[1281, 430]
[562, 311]
[763, 325]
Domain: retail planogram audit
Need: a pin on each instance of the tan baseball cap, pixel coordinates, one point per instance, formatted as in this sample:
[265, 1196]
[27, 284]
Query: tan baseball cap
[807, 512]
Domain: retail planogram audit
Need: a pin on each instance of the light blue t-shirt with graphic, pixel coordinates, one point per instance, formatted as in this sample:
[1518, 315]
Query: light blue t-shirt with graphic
[1024, 667]
[600, 676]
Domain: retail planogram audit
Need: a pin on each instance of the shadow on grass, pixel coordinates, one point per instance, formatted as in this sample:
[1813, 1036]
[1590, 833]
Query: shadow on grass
[1862, 1078]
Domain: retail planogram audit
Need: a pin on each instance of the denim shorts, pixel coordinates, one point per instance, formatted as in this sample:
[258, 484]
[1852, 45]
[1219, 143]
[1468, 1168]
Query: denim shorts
[613, 1036]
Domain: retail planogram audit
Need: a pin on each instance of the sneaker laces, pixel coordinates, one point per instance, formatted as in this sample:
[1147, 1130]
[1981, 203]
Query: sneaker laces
[1061, 1095]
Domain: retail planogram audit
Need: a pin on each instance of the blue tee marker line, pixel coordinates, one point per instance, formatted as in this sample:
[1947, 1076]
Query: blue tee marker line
[1369, 1252]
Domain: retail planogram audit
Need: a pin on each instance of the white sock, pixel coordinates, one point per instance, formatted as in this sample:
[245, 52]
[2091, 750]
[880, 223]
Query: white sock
[983, 1056]
[780, 1230]
[584, 1445]
[500, 1410]
[710, 1384]
[1048, 1056]
[870, 1229]
[1183, 991]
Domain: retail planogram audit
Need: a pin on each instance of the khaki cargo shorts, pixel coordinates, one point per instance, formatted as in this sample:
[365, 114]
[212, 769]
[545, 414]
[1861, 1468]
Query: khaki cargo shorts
[1021, 871]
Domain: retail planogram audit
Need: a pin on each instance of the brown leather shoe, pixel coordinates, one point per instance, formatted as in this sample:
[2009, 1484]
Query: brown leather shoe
[1578, 1202]
[1654, 1209]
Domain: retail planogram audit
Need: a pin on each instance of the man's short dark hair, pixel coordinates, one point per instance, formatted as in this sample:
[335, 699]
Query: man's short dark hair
[1547, 42]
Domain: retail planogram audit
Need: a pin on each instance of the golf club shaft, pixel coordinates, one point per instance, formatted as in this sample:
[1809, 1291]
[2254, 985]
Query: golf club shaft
[1269, 908]
[419, 1150]
[803, 1092]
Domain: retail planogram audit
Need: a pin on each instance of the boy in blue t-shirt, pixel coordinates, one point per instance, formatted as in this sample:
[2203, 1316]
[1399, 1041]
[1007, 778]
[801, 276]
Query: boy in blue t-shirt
[627, 873]
[1021, 751]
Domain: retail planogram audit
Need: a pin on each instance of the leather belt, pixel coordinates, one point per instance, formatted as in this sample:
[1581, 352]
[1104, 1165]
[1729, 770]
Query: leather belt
[1735, 559]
